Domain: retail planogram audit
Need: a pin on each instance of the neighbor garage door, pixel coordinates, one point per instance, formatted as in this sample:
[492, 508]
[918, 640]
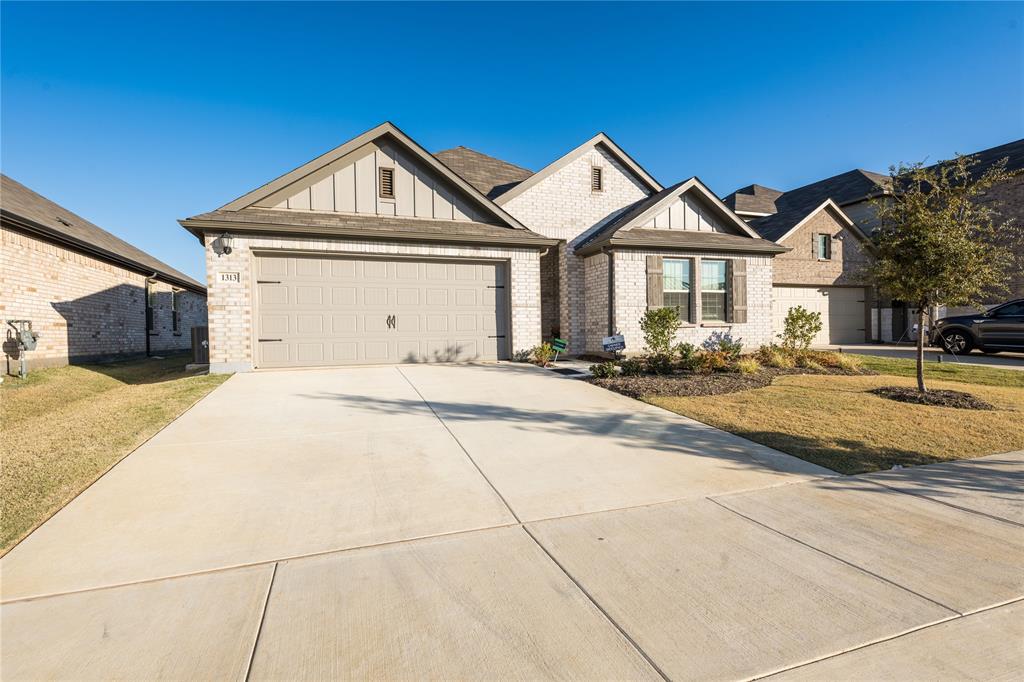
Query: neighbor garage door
[312, 310]
[841, 308]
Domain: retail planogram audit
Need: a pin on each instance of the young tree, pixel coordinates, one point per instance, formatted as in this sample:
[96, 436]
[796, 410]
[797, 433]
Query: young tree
[936, 243]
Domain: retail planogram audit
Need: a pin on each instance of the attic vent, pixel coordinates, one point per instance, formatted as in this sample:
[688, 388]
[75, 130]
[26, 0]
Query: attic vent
[596, 179]
[63, 222]
[387, 183]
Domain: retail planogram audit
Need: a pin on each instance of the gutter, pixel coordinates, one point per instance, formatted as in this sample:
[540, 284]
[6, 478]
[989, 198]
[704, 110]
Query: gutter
[51, 235]
[199, 227]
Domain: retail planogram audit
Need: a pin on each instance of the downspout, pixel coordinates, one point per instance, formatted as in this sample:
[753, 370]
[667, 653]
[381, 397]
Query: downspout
[145, 300]
[611, 289]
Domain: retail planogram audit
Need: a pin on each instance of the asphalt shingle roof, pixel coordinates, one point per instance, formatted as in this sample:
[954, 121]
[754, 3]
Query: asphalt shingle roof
[49, 218]
[493, 177]
[753, 199]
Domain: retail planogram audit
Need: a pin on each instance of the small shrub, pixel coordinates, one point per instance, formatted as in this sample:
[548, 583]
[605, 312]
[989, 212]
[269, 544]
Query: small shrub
[807, 361]
[659, 363]
[799, 328]
[604, 370]
[724, 343]
[849, 362]
[774, 356]
[748, 365]
[827, 359]
[659, 326]
[687, 356]
[713, 360]
[543, 353]
[631, 367]
[522, 355]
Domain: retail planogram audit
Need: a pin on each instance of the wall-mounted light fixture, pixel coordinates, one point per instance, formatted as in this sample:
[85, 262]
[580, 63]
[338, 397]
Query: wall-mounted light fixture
[222, 245]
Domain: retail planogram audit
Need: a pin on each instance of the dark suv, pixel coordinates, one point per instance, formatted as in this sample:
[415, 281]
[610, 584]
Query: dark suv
[1001, 328]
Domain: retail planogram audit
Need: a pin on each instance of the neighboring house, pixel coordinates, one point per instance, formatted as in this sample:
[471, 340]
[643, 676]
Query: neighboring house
[380, 252]
[90, 296]
[801, 279]
[825, 269]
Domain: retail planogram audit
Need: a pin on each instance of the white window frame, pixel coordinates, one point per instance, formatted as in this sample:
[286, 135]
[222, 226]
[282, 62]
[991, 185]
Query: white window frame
[723, 292]
[684, 312]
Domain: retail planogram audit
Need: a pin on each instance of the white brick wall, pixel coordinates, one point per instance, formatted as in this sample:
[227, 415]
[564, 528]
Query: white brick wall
[596, 300]
[231, 304]
[630, 301]
[562, 206]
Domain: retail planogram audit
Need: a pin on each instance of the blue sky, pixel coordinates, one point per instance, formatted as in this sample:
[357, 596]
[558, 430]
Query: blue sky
[134, 115]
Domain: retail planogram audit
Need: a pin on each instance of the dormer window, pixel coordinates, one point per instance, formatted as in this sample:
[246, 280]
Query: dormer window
[386, 182]
[596, 179]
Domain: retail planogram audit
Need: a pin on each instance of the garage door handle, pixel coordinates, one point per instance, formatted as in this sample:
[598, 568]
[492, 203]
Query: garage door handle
[267, 281]
[496, 337]
[495, 286]
[262, 340]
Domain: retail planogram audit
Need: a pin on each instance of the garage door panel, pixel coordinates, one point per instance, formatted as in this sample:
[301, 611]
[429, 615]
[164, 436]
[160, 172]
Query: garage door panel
[335, 311]
[841, 310]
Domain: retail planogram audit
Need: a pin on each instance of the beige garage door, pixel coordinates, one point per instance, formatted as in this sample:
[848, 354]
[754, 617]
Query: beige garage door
[312, 310]
[841, 308]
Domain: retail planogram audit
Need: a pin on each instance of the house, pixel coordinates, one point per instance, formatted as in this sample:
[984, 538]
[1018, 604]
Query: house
[89, 295]
[824, 270]
[802, 274]
[380, 252]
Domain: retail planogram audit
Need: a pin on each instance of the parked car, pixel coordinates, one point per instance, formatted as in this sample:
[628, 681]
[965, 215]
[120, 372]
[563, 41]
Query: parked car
[1000, 328]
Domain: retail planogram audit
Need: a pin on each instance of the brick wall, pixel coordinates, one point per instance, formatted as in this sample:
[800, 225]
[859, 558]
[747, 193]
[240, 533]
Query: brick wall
[562, 206]
[83, 308]
[799, 266]
[630, 301]
[550, 295]
[231, 303]
[1008, 199]
[595, 287]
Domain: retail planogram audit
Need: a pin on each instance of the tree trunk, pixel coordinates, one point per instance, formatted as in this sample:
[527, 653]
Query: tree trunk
[920, 349]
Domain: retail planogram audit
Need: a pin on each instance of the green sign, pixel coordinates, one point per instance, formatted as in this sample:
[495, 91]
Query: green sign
[559, 344]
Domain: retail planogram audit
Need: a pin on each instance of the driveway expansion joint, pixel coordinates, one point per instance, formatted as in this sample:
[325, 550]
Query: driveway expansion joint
[833, 556]
[259, 628]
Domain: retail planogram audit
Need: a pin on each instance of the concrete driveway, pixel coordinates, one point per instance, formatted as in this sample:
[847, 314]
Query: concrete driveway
[501, 521]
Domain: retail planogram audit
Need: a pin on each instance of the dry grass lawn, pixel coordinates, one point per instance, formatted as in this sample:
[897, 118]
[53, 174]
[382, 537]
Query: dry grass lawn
[833, 421]
[62, 428]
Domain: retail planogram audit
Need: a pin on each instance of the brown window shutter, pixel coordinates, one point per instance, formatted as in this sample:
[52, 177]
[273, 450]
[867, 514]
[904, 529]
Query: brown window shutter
[694, 290]
[814, 246]
[655, 283]
[737, 293]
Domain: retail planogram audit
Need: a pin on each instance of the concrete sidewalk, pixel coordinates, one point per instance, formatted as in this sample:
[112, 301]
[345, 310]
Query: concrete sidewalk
[502, 521]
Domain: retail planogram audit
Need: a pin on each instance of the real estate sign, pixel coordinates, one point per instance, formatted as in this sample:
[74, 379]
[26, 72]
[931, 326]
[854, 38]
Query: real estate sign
[614, 342]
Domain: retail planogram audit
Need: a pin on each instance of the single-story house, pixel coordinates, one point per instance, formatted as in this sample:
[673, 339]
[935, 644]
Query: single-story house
[378, 252]
[824, 270]
[90, 296]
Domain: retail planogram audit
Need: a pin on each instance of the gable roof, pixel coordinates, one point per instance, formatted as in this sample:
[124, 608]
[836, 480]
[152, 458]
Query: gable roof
[1012, 151]
[753, 199]
[34, 213]
[780, 226]
[491, 176]
[559, 163]
[384, 129]
[622, 230]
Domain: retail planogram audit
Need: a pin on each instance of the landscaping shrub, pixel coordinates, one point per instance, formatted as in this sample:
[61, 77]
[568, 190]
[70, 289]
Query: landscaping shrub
[631, 367]
[659, 326]
[713, 360]
[604, 370]
[748, 365]
[720, 342]
[799, 329]
[849, 363]
[659, 363]
[773, 356]
[522, 355]
[687, 356]
[543, 353]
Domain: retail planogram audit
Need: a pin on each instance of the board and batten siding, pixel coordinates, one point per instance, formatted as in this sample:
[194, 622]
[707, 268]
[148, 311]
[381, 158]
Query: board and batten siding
[349, 185]
[686, 213]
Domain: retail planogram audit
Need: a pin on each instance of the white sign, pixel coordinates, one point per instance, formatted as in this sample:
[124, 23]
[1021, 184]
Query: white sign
[230, 277]
[615, 342]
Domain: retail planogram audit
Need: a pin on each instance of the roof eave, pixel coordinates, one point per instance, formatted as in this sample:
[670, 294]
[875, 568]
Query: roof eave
[605, 245]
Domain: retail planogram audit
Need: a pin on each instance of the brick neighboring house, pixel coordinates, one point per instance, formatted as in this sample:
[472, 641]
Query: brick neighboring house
[379, 252]
[771, 212]
[90, 296]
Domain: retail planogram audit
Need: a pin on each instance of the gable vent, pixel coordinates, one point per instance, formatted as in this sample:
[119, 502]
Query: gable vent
[596, 179]
[387, 183]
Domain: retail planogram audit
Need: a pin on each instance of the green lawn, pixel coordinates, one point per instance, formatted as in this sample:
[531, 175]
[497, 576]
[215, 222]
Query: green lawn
[64, 427]
[834, 421]
[946, 371]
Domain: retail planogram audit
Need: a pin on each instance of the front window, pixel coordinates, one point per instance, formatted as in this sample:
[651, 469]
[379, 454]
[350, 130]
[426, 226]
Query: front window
[824, 247]
[712, 290]
[174, 310]
[676, 285]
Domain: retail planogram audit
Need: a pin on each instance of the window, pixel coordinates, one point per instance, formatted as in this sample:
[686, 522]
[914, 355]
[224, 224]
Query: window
[387, 183]
[174, 310]
[712, 290]
[150, 305]
[596, 179]
[824, 246]
[677, 282]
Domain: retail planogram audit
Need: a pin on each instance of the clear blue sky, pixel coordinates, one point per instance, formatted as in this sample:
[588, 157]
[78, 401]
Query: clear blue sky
[136, 115]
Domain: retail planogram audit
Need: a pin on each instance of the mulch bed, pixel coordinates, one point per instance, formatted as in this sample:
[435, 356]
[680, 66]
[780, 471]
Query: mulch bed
[697, 384]
[958, 399]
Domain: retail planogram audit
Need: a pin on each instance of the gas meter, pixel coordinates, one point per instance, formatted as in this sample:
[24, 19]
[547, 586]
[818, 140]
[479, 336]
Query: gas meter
[26, 340]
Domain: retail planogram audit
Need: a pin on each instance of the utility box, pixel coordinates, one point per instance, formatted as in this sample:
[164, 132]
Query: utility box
[200, 345]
